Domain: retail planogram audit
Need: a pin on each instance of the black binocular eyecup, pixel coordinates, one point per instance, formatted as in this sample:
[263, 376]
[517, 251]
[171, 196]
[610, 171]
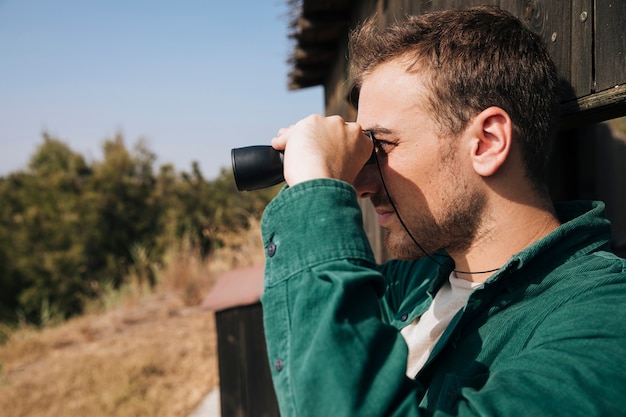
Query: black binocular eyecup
[257, 167]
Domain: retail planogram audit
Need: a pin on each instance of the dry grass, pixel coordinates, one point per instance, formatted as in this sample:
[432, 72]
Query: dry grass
[143, 354]
[156, 358]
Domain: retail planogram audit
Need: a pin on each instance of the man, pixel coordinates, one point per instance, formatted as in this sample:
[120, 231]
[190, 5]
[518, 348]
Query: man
[497, 303]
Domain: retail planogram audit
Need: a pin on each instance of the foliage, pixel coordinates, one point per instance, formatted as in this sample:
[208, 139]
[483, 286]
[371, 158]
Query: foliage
[69, 228]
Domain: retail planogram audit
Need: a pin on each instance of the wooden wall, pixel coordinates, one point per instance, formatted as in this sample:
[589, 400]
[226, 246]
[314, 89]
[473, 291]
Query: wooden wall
[586, 38]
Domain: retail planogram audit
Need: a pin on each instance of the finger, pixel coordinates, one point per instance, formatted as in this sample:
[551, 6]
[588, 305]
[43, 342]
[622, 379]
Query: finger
[279, 142]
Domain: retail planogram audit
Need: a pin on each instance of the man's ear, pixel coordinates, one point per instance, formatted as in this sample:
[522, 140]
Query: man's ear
[491, 136]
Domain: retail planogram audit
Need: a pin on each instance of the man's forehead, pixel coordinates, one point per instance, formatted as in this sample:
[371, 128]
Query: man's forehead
[391, 77]
[390, 89]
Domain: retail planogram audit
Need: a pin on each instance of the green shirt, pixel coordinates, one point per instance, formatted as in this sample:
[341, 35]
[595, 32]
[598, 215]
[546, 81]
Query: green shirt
[545, 335]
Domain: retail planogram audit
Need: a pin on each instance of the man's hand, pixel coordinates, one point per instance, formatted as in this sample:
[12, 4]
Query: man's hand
[322, 147]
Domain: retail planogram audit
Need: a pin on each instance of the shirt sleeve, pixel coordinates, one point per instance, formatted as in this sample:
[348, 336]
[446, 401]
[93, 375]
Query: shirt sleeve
[329, 351]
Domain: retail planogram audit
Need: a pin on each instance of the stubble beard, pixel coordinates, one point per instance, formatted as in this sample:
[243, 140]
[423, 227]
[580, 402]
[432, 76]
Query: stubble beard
[452, 229]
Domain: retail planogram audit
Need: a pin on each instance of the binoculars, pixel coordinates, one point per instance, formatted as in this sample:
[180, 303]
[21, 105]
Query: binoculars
[261, 166]
[257, 167]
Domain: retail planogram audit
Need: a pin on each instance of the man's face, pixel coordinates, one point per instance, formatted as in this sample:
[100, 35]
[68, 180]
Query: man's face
[430, 181]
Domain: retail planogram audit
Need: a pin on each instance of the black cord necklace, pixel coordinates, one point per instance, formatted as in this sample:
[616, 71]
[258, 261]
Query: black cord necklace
[406, 229]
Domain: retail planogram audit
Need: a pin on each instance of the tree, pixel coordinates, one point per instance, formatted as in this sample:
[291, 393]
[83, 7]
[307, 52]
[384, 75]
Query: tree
[41, 222]
[121, 209]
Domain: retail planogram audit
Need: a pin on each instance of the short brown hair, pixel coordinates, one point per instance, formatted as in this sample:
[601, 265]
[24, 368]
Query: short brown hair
[474, 59]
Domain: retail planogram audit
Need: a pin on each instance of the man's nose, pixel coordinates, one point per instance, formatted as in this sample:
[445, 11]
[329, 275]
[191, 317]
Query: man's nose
[367, 181]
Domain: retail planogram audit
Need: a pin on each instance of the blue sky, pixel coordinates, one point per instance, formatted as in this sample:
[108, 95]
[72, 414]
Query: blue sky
[193, 78]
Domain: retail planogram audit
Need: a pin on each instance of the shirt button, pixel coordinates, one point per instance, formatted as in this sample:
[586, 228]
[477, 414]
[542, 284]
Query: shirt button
[404, 317]
[279, 364]
[271, 249]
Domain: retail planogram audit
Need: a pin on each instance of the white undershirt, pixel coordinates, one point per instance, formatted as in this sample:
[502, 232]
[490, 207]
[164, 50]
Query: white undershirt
[422, 334]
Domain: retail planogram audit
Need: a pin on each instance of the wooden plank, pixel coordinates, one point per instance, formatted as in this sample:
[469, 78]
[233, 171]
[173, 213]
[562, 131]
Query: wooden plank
[393, 10]
[455, 4]
[594, 108]
[550, 20]
[463, 4]
[396, 9]
[230, 367]
[610, 65]
[261, 397]
[245, 381]
[581, 71]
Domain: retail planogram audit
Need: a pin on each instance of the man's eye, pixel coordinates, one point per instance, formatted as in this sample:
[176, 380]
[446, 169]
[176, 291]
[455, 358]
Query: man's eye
[383, 147]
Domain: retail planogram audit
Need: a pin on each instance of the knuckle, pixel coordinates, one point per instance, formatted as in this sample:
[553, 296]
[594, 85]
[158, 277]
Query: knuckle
[336, 119]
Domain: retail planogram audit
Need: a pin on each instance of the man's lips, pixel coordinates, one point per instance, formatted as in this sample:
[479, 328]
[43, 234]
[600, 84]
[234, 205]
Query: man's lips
[384, 215]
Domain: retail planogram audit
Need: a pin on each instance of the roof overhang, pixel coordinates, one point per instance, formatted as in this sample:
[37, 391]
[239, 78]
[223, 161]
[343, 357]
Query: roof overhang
[317, 28]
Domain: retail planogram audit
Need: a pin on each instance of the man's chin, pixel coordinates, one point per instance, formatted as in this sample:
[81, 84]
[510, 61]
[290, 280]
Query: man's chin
[403, 249]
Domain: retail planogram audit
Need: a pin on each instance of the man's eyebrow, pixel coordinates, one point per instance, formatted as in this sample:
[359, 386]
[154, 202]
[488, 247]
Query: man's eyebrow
[379, 130]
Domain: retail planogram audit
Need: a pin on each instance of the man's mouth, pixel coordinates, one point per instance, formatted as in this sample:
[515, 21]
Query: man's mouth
[384, 215]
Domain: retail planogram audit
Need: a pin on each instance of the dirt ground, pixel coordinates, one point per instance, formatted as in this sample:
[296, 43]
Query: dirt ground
[153, 356]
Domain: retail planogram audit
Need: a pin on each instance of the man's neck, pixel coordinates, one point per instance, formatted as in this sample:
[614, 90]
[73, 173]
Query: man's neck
[509, 229]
